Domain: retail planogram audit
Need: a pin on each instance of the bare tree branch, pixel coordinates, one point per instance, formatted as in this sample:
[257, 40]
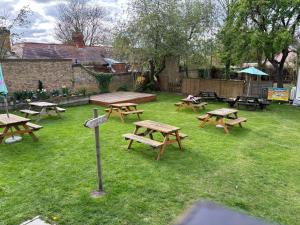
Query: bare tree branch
[79, 16]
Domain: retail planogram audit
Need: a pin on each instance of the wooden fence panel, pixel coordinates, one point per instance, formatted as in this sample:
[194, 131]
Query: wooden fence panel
[224, 88]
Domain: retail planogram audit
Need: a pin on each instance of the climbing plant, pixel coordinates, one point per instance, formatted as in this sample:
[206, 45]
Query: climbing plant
[103, 79]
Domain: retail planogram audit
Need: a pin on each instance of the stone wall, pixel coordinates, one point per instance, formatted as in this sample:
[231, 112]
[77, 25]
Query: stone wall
[24, 75]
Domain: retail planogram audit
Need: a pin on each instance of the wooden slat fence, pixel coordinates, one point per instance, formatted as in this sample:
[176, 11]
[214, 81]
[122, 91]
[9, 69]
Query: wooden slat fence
[224, 88]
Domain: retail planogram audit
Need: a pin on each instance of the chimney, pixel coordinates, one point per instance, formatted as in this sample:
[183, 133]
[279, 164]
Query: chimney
[77, 38]
[5, 39]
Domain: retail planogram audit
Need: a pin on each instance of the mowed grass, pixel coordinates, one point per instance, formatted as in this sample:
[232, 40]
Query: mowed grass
[255, 169]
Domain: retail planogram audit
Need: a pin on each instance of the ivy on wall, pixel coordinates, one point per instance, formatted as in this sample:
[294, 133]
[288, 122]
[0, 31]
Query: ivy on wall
[103, 79]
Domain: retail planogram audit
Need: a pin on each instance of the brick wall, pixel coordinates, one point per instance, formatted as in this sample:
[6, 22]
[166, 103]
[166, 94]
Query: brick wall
[24, 74]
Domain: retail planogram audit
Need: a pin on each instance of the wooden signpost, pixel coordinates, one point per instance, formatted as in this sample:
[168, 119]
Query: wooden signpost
[94, 123]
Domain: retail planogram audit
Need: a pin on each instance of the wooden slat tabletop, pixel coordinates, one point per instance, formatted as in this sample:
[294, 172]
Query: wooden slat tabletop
[153, 125]
[222, 112]
[120, 105]
[12, 119]
[43, 104]
[190, 100]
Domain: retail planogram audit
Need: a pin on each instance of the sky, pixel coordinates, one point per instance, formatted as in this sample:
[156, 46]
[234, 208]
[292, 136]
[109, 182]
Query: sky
[44, 13]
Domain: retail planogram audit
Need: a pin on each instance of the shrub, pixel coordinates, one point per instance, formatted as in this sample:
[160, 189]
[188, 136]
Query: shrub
[23, 95]
[40, 85]
[103, 80]
[42, 94]
[65, 91]
[55, 92]
[82, 91]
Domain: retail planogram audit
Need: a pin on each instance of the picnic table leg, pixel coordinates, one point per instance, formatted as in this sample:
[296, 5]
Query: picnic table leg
[42, 112]
[119, 112]
[57, 112]
[202, 124]
[30, 132]
[109, 112]
[178, 139]
[4, 134]
[162, 148]
[194, 109]
[236, 116]
[131, 141]
[17, 128]
[138, 115]
[222, 122]
[151, 135]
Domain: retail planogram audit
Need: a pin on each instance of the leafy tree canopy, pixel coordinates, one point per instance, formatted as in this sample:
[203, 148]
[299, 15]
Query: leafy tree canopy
[262, 28]
[159, 28]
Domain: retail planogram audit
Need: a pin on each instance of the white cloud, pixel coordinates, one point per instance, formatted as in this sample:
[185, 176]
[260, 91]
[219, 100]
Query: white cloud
[46, 22]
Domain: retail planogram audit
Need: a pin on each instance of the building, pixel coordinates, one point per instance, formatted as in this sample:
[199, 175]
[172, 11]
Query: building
[90, 56]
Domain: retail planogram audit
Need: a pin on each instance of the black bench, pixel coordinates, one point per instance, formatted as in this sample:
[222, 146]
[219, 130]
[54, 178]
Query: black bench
[232, 101]
[209, 95]
[248, 102]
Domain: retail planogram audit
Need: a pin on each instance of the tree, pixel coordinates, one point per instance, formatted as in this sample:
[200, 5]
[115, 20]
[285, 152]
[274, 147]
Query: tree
[160, 28]
[79, 16]
[225, 34]
[9, 23]
[266, 27]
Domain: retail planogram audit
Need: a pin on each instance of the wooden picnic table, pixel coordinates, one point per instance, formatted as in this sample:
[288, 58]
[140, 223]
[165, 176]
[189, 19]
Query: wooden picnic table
[150, 127]
[123, 109]
[189, 103]
[14, 125]
[42, 108]
[220, 115]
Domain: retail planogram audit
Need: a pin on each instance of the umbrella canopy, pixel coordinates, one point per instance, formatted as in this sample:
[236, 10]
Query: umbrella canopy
[253, 71]
[3, 89]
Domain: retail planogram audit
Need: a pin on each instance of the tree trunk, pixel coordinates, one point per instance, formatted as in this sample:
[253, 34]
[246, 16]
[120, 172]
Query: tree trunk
[279, 66]
[152, 70]
[280, 76]
[227, 68]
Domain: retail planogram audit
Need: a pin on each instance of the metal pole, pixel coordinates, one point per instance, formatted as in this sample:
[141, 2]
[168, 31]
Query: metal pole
[98, 154]
[6, 106]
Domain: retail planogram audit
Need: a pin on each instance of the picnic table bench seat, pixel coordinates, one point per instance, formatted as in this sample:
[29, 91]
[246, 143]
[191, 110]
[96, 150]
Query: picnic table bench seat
[59, 109]
[28, 112]
[133, 112]
[33, 126]
[236, 121]
[202, 117]
[108, 109]
[143, 140]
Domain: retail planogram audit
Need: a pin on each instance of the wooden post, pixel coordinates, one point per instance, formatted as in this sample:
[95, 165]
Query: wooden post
[94, 123]
[98, 156]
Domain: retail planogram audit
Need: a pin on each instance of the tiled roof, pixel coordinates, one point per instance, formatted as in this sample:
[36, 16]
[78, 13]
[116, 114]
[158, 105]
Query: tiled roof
[86, 55]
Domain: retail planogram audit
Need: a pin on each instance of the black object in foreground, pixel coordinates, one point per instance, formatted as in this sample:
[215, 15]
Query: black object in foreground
[209, 213]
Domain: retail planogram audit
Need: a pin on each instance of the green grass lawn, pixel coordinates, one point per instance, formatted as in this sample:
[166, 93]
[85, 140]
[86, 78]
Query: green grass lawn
[255, 169]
